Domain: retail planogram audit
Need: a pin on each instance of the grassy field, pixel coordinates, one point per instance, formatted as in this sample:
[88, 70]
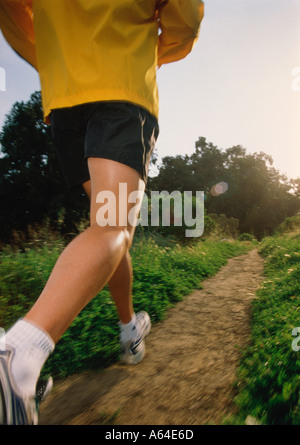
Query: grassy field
[268, 380]
[164, 272]
[268, 383]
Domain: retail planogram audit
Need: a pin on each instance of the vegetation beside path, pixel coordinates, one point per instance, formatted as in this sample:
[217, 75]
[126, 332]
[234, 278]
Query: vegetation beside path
[268, 383]
[268, 379]
[164, 272]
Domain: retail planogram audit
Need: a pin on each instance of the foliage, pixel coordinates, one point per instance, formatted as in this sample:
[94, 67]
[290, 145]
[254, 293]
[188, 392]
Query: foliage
[236, 184]
[289, 224]
[226, 227]
[245, 237]
[163, 274]
[269, 376]
[31, 186]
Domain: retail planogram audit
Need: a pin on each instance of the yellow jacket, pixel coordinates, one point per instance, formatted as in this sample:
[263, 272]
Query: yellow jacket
[99, 50]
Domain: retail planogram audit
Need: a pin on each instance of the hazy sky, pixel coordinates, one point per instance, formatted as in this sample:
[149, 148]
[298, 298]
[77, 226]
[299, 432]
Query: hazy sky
[237, 87]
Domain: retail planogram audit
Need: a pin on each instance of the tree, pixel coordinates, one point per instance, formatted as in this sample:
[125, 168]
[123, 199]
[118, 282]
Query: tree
[31, 186]
[174, 174]
[236, 184]
[207, 164]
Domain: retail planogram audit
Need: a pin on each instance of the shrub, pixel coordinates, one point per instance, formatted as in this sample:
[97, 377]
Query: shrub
[246, 237]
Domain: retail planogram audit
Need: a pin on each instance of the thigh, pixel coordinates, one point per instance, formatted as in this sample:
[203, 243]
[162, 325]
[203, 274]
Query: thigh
[116, 194]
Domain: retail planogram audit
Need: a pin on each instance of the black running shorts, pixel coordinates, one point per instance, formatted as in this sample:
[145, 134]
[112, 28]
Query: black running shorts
[119, 131]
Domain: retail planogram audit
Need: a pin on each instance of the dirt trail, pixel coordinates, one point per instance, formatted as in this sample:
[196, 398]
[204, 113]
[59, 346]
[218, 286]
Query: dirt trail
[187, 375]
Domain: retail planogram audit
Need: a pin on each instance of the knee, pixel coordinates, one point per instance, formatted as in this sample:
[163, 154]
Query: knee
[128, 237]
[123, 234]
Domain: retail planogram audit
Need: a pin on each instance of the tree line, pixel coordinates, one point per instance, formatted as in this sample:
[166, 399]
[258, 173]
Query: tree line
[235, 184]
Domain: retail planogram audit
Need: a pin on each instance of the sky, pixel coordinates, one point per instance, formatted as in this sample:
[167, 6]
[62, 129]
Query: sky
[239, 86]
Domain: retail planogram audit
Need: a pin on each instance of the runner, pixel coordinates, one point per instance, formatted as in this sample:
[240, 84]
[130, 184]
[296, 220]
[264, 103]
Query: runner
[97, 63]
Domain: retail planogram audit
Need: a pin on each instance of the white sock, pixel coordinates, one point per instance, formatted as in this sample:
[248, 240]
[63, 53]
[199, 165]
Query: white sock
[129, 330]
[32, 348]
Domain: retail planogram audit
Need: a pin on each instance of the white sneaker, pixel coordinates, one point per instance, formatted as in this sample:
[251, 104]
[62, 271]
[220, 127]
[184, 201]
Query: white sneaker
[16, 409]
[133, 350]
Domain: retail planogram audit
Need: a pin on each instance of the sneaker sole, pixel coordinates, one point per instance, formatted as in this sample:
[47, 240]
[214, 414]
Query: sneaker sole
[134, 359]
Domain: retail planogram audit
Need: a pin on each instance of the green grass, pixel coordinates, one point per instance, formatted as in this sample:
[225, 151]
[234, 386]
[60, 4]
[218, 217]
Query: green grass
[269, 377]
[268, 380]
[164, 272]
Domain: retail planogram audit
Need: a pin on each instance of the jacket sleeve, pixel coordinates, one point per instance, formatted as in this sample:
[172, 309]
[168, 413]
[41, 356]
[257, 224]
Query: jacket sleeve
[16, 23]
[179, 23]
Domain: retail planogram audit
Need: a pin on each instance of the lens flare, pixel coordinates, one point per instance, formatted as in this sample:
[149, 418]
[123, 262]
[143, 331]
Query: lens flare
[219, 189]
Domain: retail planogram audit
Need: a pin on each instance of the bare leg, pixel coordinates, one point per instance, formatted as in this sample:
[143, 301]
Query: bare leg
[90, 260]
[120, 284]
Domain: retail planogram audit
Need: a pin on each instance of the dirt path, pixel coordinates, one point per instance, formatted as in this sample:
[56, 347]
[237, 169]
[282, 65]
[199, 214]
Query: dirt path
[187, 375]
